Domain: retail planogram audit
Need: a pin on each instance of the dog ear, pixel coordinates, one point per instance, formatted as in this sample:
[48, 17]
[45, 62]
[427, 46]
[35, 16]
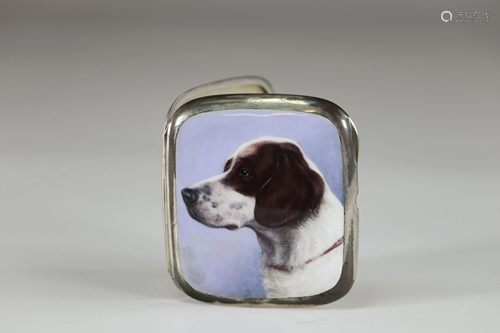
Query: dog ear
[293, 192]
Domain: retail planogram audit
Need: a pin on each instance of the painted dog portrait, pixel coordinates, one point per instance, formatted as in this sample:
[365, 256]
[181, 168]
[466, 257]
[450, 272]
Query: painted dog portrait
[270, 186]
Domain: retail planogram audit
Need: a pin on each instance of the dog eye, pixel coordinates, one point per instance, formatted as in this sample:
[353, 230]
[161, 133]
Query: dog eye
[244, 173]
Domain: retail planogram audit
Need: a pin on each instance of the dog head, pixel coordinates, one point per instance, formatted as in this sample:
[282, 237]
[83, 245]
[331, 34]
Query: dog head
[268, 180]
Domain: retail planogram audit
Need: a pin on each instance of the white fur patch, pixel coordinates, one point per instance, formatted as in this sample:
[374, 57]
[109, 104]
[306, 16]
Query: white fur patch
[220, 206]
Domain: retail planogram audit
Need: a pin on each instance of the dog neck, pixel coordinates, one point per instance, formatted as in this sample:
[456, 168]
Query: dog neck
[289, 268]
[295, 246]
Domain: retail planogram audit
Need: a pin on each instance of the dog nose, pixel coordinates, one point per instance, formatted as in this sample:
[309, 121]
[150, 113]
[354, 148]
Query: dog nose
[189, 196]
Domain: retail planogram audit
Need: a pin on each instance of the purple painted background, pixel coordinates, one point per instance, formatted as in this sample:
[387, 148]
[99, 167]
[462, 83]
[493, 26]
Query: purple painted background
[220, 261]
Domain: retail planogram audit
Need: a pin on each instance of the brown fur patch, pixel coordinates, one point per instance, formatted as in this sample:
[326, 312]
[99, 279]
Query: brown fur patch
[278, 176]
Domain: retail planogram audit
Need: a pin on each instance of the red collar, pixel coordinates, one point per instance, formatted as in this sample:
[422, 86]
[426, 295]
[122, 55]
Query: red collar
[287, 268]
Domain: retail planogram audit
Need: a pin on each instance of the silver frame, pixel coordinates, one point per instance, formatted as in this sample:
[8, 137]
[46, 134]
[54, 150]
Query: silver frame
[256, 93]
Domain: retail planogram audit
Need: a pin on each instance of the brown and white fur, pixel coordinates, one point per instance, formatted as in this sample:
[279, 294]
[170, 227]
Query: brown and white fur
[270, 186]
